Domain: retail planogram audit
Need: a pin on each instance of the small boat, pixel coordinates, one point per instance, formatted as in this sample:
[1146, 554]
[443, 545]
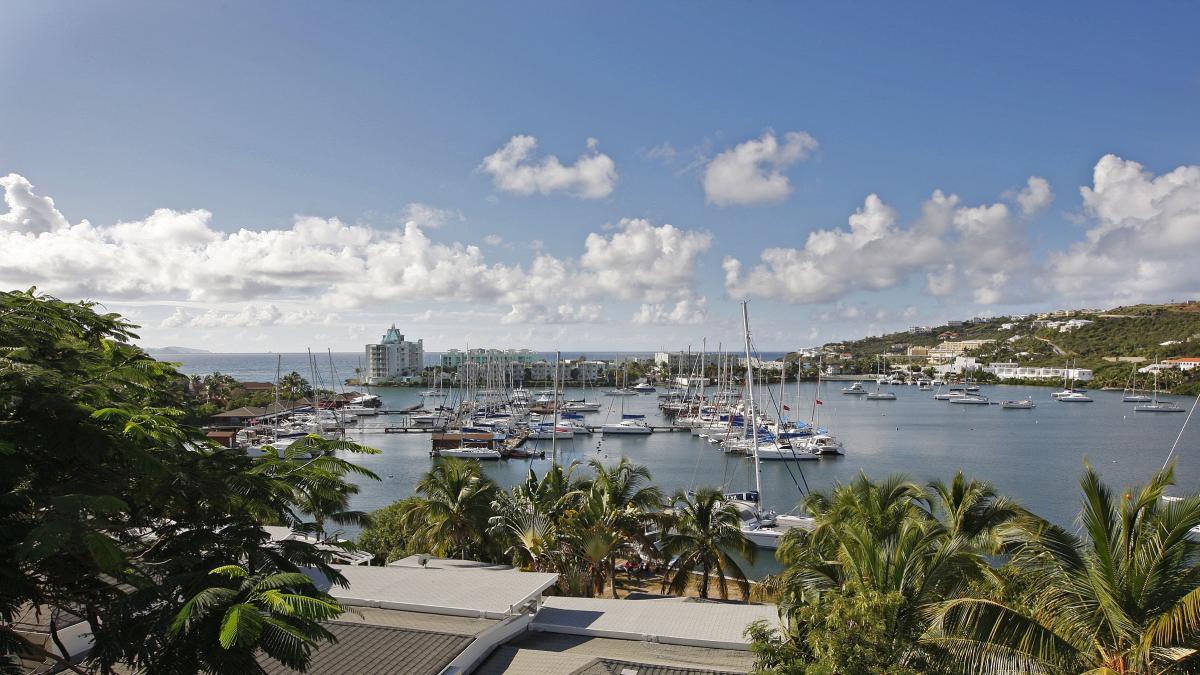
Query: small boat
[971, 399]
[1159, 407]
[952, 393]
[522, 453]
[644, 388]
[468, 453]
[581, 406]
[1136, 398]
[822, 444]
[938, 383]
[624, 391]
[1023, 404]
[629, 424]
[854, 389]
[785, 453]
[881, 396]
[972, 389]
[1075, 397]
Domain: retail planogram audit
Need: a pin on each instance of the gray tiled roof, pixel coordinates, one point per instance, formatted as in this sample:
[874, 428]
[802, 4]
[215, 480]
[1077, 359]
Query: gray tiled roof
[539, 653]
[361, 648]
[611, 667]
[667, 620]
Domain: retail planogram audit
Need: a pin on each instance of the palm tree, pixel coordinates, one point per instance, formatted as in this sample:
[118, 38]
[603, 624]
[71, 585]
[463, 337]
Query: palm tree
[1121, 597]
[276, 612]
[701, 531]
[886, 539]
[527, 517]
[455, 508]
[294, 385]
[618, 503]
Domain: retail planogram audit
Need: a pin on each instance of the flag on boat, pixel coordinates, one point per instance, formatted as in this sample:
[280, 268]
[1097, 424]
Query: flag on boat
[820, 402]
[785, 407]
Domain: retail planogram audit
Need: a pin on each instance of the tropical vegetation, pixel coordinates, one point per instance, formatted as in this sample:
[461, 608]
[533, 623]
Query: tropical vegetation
[114, 510]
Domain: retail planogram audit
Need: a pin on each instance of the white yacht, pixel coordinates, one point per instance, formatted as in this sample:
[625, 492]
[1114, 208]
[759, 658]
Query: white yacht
[644, 388]
[469, 453]
[1023, 404]
[881, 396]
[1074, 397]
[821, 445]
[764, 529]
[580, 406]
[854, 389]
[794, 452]
[1159, 406]
[954, 392]
[970, 399]
[623, 391]
[630, 424]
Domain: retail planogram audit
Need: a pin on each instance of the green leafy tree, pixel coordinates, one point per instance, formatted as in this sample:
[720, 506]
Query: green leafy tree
[293, 386]
[388, 536]
[242, 614]
[111, 508]
[702, 532]
[1122, 597]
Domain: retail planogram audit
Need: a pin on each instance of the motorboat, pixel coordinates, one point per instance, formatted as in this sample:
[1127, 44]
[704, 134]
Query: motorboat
[970, 399]
[778, 452]
[644, 388]
[629, 424]
[580, 406]
[854, 389]
[881, 396]
[469, 453]
[1075, 397]
[954, 392]
[546, 432]
[623, 391]
[1023, 404]
[938, 383]
[821, 445]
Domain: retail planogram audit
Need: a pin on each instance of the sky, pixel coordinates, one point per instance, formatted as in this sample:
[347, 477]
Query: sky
[273, 176]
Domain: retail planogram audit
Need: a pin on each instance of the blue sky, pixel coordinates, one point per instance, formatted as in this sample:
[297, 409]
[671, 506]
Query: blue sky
[258, 113]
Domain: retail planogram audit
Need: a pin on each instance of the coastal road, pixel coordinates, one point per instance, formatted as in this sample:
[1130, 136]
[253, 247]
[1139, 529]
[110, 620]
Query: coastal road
[1057, 350]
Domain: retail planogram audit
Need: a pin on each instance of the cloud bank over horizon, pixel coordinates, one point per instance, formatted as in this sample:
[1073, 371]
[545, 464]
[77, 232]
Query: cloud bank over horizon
[1137, 242]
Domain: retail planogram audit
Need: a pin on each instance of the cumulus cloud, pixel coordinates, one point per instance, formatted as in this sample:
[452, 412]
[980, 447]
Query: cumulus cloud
[1035, 196]
[180, 255]
[687, 311]
[528, 312]
[751, 173]
[28, 212]
[250, 315]
[514, 169]
[1144, 236]
[876, 253]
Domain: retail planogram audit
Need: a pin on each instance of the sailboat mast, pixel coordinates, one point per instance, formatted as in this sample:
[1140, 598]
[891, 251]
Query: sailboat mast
[554, 428]
[752, 415]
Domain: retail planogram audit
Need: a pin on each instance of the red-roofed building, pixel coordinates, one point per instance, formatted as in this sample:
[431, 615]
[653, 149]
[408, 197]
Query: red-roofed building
[1183, 362]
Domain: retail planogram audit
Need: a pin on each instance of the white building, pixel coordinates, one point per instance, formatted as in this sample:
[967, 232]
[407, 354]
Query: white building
[394, 358]
[483, 357]
[1011, 371]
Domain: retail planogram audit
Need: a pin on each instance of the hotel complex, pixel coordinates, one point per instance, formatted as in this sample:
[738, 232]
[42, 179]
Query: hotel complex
[394, 359]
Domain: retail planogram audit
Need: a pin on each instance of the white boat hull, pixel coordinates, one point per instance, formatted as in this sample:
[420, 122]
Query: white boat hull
[470, 453]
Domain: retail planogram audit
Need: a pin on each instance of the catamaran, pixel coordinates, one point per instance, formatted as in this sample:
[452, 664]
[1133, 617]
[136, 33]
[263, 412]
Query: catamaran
[1155, 406]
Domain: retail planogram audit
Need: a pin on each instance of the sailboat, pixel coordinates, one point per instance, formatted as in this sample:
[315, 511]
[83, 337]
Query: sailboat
[763, 528]
[880, 395]
[1155, 405]
[1131, 395]
[629, 424]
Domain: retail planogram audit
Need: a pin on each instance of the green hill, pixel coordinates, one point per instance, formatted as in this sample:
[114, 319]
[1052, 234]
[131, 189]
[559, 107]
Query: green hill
[1150, 332]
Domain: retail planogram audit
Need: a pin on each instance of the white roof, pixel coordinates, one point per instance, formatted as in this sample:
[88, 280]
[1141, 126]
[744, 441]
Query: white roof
[487, 592]
[681, 621]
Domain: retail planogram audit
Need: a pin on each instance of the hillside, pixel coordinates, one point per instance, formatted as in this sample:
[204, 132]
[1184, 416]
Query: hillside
[1150, 332]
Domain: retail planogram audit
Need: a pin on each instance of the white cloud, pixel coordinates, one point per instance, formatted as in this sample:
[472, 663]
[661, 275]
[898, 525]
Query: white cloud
[527, 312]
[428, 216]
[28, 212]
[751, 173]
[248, 316]
[688, 311]
[325, 263]
[513, 169]
[974, 250]
[1144, 239]
[493, 240]
[642, 261]
[1035, 196]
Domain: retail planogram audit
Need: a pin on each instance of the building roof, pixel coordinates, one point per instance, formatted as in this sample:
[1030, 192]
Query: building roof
[362, 648]
[537, 653]
[441, 587]
[1183, 359]
[681, 621]
[242, 412]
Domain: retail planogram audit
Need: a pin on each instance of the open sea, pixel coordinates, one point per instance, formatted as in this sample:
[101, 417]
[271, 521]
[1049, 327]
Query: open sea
[1034, 455]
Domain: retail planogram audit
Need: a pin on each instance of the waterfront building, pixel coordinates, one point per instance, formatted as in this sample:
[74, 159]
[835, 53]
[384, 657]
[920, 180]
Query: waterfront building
[1010, 371]
[394, 358]
[482, 357]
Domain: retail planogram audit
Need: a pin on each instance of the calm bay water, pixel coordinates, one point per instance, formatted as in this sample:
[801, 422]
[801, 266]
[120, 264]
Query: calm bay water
[1035, 455]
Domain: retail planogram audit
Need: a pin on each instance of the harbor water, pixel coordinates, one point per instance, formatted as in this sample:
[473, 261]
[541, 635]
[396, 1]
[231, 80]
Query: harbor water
[1035, 456]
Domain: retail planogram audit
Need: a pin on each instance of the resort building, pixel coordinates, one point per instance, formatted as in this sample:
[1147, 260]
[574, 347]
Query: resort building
[482, 357]
[948, 350]
[394, 358]
[1010, 371]
[685, 361]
